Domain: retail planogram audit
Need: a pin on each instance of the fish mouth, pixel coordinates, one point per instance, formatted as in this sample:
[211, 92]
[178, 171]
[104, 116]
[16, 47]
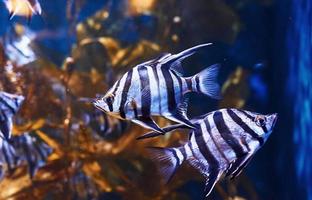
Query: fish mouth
[97, 104]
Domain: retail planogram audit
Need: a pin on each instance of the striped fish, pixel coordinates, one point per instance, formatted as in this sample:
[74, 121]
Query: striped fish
[23, 7]
[157, 88]
[223, 145]
[9, 105]
[22, 149]
[8, 158]
[106, 126]
[32, 151]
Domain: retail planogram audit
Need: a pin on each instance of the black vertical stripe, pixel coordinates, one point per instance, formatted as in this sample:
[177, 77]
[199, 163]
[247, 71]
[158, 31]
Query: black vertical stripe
[124, 94]
[105, 124]
[180, 84]
[182, 150]
[146, 95]
[135, 110]
[226, 134]
[13, 109]
[244, 126]
[189, 83]
[197, 83]
[264, 129]
[175, 155]
[158, 87]
[109, 102]
[7, 157]
[191, 146]
[221, 151]
[170, 89]
[204, 149]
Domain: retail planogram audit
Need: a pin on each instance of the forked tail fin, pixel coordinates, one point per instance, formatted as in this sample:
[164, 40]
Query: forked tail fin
[168, 160]
[205, 82]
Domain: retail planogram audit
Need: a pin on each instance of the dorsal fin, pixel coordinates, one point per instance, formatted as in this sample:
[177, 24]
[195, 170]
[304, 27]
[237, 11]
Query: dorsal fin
[155, 60]
[175, 60]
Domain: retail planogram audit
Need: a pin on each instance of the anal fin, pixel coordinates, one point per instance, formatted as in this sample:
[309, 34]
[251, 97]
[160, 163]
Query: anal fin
[238, 165]
[211, 179]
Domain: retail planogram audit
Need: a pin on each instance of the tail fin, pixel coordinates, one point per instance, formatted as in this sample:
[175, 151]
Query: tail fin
[205, 82]
[169, 160]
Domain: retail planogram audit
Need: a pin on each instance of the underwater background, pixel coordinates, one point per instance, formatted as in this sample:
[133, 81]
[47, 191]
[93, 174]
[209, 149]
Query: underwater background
[76, 49]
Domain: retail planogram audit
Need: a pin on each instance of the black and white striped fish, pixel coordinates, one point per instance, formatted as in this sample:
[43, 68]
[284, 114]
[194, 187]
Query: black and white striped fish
[9, 105]
[107, 126]
[157, 88]
[20, 150]
[23, 7]
[223, 145]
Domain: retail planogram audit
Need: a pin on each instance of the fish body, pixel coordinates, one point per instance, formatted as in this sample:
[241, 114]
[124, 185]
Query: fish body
[22, 149]
[157, 88]
[223, 145]
[23, 7]
[9, 105]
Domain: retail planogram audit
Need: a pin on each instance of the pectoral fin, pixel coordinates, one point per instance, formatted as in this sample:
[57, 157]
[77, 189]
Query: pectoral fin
[148, 123]
[180, 115]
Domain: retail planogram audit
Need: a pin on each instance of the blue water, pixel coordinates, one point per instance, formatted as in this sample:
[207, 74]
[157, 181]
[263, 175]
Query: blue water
[300, 85]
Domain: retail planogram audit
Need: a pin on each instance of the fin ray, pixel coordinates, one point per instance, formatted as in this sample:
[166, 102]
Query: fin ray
[211, 180]
[148, 123]
[167, 159]
[206, 81]
[166, 129]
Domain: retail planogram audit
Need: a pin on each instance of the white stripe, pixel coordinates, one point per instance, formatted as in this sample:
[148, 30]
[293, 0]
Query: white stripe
[197, 152]
[179, 154]
[235, 129]
[188, 150]
[227, 150]
[155, 97]
[210, 145]
[184, 86]
[118, 94]
[134, 92]
[194, 83]
[163, 91]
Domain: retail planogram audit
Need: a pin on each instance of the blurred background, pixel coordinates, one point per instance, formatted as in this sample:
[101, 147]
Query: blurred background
[63, 148]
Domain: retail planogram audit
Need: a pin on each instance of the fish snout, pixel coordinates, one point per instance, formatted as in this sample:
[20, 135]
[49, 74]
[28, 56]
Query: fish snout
[98, 103]
[274, 117]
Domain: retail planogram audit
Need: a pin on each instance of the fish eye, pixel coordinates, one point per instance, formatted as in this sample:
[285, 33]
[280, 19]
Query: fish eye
[260, 121]
[109, 100]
